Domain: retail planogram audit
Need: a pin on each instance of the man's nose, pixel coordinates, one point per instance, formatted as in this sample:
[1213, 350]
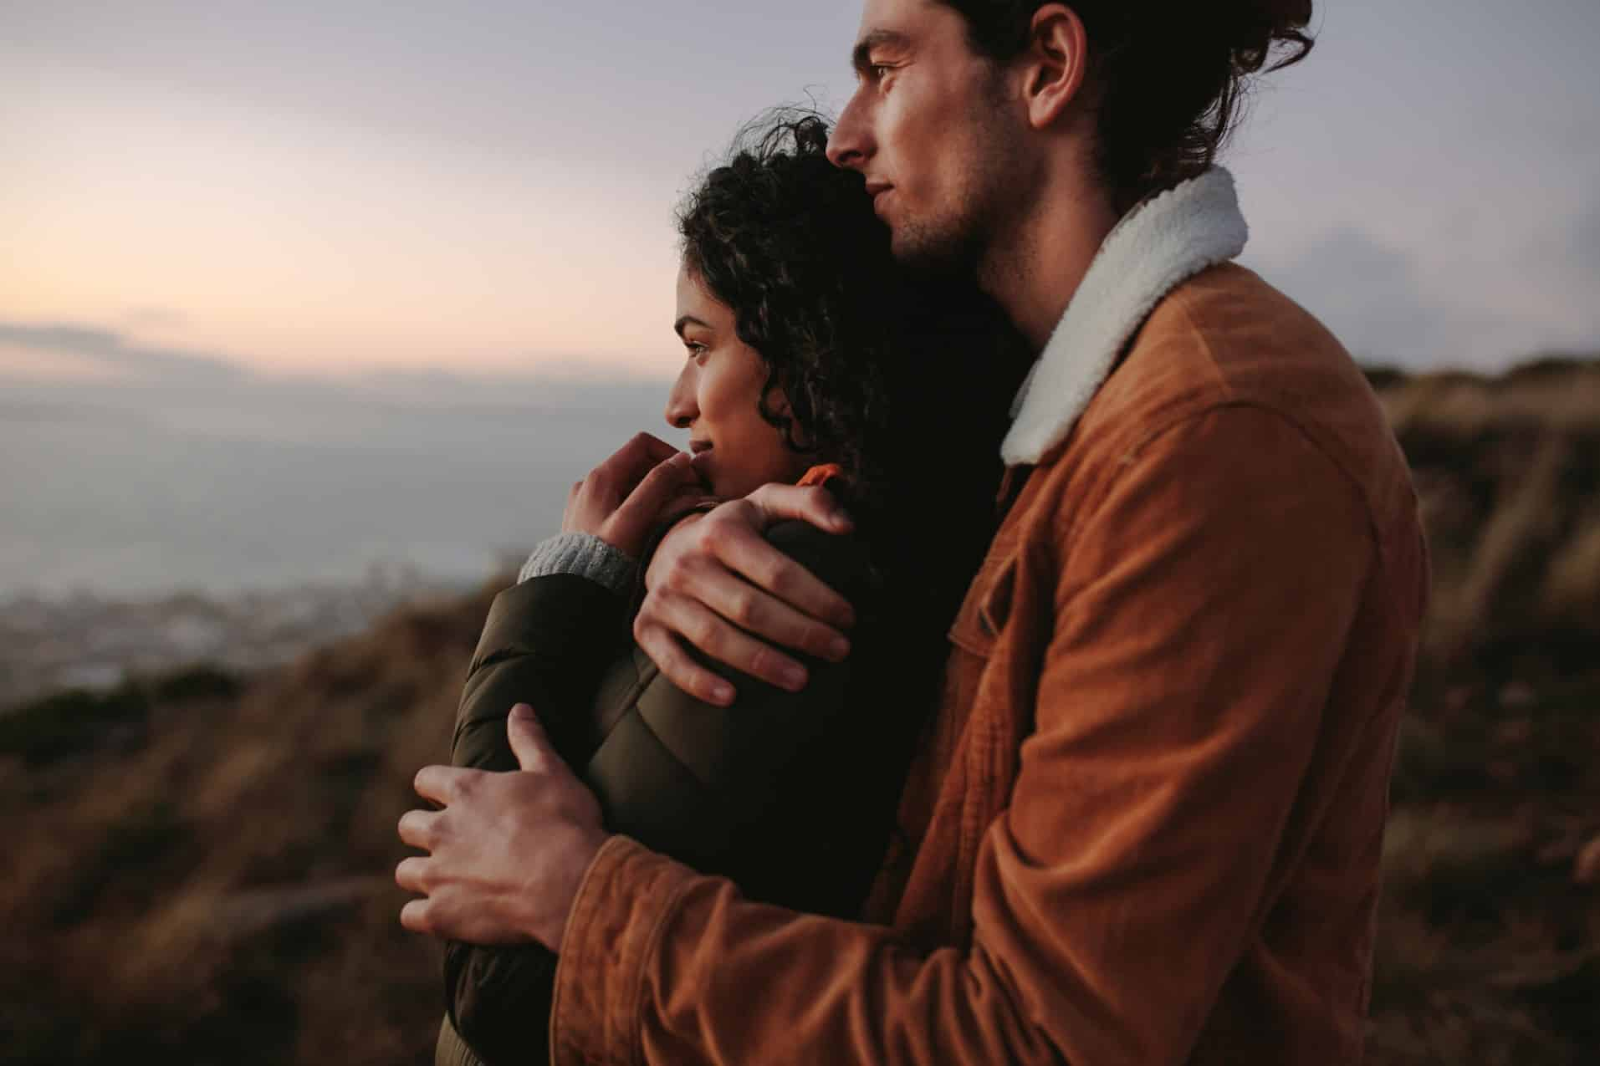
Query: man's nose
[681, 410]
[849, 145]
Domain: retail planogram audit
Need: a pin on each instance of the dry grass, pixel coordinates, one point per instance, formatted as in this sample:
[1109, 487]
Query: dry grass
[201, 872]
[1489, 949]
[216, 885]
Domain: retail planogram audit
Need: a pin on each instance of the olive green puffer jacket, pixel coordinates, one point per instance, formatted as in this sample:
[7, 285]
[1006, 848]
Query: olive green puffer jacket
[790, 795]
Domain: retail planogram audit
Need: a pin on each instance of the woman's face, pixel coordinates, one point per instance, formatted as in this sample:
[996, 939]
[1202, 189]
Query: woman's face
[717, 396]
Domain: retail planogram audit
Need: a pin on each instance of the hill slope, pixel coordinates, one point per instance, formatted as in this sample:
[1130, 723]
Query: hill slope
[204, 873]
[200, 865]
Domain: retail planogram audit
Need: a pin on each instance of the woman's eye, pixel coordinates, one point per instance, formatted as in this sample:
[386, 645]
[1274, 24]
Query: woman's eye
[697, 352]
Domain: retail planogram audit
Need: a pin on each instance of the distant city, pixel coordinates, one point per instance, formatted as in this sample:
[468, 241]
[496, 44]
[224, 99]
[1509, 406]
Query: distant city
[88, 641]
[143, 529]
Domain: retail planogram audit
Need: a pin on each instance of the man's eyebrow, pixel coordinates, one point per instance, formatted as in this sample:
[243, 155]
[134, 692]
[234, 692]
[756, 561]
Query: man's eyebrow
[686, 320]
[875, 39]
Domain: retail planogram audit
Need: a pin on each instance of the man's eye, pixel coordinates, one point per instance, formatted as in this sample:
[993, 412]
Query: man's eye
[879, 71]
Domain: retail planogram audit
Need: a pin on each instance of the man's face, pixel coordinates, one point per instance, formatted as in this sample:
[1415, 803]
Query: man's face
[929, 128]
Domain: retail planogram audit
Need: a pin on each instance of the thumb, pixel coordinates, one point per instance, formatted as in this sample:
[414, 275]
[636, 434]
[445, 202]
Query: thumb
[808, 503]
[528, 741]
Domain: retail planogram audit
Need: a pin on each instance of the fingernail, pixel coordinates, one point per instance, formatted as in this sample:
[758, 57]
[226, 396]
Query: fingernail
[793, 678]
[722, 693]
[838, 648]
[522, 710]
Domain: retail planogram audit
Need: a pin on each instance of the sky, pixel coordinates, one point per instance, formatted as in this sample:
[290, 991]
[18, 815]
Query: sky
[479, 190]
[288, 289]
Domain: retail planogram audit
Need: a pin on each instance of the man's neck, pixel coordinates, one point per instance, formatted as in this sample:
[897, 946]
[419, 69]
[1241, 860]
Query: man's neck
[1035, 265]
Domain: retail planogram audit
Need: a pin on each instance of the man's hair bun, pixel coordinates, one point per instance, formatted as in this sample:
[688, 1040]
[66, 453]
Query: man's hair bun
[1169, 75]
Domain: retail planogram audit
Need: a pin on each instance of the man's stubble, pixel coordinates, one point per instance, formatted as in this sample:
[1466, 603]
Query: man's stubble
[974, 232]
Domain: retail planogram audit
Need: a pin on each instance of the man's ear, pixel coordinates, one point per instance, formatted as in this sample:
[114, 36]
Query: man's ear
[1057, 58]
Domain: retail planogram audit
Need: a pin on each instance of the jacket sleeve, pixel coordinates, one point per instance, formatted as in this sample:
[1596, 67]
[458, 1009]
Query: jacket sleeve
[787, 793]
[1198, 620]
[733, 790]
[545, 642]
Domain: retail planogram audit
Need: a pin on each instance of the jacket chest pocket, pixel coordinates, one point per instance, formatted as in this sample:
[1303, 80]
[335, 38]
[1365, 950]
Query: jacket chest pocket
[987, 605]
[982, 730]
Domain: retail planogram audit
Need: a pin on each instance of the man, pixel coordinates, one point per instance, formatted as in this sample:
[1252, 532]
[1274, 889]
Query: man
[1146, 822]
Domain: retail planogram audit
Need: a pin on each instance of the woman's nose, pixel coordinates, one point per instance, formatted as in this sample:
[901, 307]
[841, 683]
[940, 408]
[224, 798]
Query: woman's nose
[681, 411]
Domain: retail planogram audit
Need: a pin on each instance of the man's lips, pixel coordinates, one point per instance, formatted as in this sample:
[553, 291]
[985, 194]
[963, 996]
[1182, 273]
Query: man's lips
[698, 446]
[876, 189]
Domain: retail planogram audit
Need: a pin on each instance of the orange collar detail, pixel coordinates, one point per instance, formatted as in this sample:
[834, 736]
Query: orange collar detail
[821, 475]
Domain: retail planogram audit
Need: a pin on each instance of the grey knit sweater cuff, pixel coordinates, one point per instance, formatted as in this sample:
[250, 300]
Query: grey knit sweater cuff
[585, 555]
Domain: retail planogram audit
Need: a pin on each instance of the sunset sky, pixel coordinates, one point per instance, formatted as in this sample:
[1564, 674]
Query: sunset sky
[336, 189]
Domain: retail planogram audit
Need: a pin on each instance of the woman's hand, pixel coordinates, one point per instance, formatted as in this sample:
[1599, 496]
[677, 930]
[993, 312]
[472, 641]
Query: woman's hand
[625, 496]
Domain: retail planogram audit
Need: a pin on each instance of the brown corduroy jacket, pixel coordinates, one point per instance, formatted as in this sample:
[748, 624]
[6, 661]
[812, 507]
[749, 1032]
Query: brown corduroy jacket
[1145, 823]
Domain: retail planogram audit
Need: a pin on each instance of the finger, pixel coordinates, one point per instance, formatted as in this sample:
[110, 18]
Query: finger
[439, 783]
[654, 448]
[809, 503]
[726, 643]
[744, 551]
[414, 916]
[528, 740]
[419, 828]
[411, 874]
[665, 481]
[635, 459]
[773, 620]
[664, 649]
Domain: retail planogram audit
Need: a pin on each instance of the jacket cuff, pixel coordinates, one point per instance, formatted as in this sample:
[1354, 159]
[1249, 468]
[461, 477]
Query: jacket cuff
[622, 905]
[583, 555]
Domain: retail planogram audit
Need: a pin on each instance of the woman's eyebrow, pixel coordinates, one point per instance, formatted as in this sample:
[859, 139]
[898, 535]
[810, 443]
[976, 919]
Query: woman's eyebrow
[689, 320]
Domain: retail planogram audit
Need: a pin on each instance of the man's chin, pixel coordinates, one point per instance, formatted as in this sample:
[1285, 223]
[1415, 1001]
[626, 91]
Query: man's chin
[933, 252]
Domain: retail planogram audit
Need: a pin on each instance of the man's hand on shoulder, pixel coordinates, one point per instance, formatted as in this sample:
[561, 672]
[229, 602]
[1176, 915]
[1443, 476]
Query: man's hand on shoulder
[718, 584]
[506, 851]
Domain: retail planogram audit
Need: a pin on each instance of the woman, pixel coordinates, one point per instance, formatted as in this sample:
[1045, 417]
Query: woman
[810, 356]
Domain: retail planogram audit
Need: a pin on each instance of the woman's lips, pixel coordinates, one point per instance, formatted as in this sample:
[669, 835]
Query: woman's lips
[701, 462]
[698, 446]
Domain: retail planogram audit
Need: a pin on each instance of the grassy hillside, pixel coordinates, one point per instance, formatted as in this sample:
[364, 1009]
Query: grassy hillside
[203, 869]
[199, 866]
[1489, 937]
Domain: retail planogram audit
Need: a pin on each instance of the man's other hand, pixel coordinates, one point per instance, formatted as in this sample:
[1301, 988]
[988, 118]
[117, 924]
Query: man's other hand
[507, 852]
[718, 584]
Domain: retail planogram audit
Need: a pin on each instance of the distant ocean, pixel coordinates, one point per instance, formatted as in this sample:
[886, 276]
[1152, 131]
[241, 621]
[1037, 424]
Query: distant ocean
[144, 491]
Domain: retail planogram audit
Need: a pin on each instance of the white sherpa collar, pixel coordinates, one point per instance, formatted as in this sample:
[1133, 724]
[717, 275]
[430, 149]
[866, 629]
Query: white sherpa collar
[1155, 248]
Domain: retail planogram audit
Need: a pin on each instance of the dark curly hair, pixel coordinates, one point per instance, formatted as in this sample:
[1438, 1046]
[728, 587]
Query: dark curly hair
[903, 379]
[790, 243]
[1170, 74]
